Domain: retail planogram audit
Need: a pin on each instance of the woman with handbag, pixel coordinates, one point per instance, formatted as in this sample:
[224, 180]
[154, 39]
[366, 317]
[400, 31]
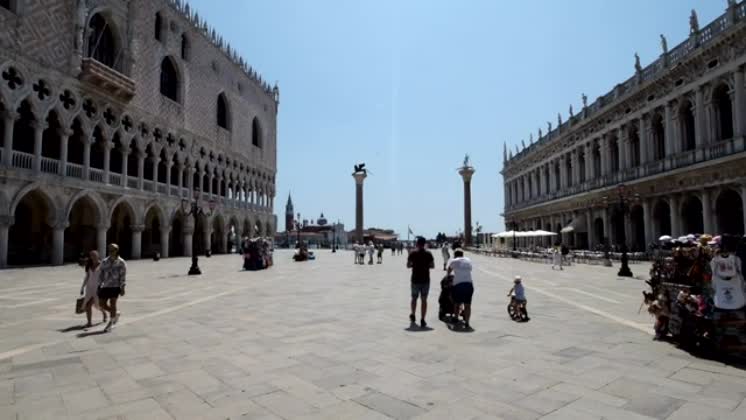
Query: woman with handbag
[89, 289]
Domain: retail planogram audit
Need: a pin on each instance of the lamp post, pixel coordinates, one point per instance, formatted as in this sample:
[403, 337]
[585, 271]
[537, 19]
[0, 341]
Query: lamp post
[515, 226]
[195, 210]
[622, 204]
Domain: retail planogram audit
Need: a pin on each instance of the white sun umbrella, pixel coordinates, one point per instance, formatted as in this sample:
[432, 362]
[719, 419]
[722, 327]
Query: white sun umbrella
[545, 233]
[665, 238]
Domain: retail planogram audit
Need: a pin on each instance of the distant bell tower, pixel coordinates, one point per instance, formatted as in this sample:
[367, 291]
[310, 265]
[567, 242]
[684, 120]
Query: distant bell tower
[289, 214]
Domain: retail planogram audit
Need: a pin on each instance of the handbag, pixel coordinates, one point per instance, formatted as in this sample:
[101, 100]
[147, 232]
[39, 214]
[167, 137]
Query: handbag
[79, 308]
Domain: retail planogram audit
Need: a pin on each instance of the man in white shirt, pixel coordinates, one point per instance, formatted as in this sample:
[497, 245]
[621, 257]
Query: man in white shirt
[463, 287]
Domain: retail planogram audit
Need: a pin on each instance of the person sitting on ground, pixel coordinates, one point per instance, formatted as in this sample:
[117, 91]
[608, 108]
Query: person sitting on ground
[463, 287]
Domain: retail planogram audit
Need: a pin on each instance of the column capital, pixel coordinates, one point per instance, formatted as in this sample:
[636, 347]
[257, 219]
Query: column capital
[7, 221]
[40, 125]
[10, 114]
[137, 228]
[65, 132]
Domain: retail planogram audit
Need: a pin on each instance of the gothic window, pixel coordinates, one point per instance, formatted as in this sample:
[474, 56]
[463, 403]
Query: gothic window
[158, 27]
[223, 112]
[5, 4]
[101, 42]
[184, 47]
[256, 133]
[169, 80]
[724, 112]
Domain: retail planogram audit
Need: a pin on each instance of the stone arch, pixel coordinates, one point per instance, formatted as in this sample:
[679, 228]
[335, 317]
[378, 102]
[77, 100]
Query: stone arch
[153, 222]
[687, 125]
[23, 131]
[122, 217]
[30, 239]
[85, 223]
[176, 234]
[218, 234]
[723, 112]
[598, 231]
[661, 218]
[692, 218]
[233, 232]
[729, 212]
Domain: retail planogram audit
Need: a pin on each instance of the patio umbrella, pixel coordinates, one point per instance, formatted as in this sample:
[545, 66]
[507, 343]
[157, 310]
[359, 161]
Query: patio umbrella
[665, 238]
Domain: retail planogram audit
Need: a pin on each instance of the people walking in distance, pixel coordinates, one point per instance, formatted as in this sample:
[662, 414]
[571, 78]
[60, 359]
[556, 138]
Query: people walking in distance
[355, 249]
[380, 253]
[401, 248]
[446, 255]
[393, 249]
[556, 257]
[463, 287]
[371, 251]
[421, 262]
[113, 276]
[89, 289]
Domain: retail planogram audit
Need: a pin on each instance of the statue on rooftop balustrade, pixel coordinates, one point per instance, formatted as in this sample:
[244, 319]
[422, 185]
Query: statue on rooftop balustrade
[693, 23]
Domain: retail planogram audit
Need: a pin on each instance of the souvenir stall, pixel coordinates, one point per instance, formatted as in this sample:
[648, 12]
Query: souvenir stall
[697, 293]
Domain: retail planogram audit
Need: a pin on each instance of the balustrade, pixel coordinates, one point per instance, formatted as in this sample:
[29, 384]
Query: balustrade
[96, 175]
[22, 160]
[50, 166]
[115, 179]
[74, 170]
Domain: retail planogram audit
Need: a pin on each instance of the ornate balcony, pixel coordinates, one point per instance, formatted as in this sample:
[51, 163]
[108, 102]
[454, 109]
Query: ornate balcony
[107, 79]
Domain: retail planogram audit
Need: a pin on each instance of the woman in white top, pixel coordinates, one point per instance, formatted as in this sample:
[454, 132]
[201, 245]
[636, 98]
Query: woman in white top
[90, 285]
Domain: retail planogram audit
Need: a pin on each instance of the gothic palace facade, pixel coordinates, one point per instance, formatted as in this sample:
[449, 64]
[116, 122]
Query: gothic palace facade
[673, 135]
[115, 116]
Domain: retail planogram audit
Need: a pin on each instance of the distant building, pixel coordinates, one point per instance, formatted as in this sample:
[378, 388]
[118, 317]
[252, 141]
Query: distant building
[320, 234]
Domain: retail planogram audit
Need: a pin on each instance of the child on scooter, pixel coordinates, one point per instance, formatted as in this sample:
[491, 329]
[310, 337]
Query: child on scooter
[519, 297]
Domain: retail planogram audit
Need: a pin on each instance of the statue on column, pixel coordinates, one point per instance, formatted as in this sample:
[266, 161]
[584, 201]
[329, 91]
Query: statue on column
[466, 161]
[693, 23]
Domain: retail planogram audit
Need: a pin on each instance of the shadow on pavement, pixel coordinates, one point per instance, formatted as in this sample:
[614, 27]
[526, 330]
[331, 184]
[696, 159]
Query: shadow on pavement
[92, 333]
[73, 328]
[416, 328]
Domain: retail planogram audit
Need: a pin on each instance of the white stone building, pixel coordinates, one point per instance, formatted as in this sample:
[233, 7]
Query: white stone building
[673, 134]
[115, 116]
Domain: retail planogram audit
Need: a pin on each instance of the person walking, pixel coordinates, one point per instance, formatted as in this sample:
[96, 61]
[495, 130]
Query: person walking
[113, 276]
[421, 261]
[446, 255]
[371, 251]
[380, 253]
[393, 249]
[89, 288]
[463, 287]
[556, 258]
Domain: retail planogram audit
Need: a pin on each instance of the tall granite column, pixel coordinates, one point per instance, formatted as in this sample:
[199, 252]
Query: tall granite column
[466, 173]
[359, 179]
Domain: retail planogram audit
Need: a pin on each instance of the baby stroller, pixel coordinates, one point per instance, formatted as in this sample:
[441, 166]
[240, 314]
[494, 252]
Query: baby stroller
[445, 300]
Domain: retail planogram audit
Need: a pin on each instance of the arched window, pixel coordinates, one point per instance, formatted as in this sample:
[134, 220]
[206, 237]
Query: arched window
[724, 112]
[169, 80]
[659, 138]
[158, 26]
[223, 112]
[102, 45]
[256, 133]
[686, 117]
[184, 47]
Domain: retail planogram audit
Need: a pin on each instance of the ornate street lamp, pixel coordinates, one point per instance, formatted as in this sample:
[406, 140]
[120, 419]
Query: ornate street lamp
[624, 199]
[195, 210]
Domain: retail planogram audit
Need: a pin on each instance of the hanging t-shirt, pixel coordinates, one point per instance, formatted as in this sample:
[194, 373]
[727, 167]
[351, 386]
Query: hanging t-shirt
[727, 282]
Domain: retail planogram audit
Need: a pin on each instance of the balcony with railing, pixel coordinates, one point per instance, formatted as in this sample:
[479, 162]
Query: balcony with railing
[22, 160]
[115, 179]
[50, 166]
[108, 79]
[96, 175]
[681, 160]
[74, 170]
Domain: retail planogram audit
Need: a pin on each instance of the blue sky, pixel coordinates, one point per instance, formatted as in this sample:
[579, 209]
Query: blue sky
[410, 87]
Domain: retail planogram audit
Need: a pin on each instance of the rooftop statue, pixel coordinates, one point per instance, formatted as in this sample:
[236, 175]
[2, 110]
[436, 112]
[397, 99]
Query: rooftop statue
[638, 67]
[585, 100]
[693, 23]
[664, 44]
[360, 168]
[466, 161]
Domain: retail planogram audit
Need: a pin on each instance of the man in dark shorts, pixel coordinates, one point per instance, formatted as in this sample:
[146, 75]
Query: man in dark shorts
[421, 261]
[113, 278]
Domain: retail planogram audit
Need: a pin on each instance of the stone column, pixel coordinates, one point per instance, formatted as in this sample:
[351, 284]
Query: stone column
[87, 162]
[740, 106]
[180, 178]
[700, 130]
[575, 167]
[606, 217]
[707, 212]
[208, 237]
[101, 239]
[643, 134]
[625, 157]
[125, 151]
[187, 232]
[137, 241]
[542, 181]
[164, 241]
[675, 216]
[647, 220]
[156, 160]
[563, 172]
[466, 173]
[5, 223]
[39, 127]
[9, 122]
[359, 179]
[743, 200]
[209, 183]
[589, 227]
[65, 134]
[169, 165]
[669, 130]
[190, 181]
[140, 170]
[107, 160]
[589, 161]
[604, 149]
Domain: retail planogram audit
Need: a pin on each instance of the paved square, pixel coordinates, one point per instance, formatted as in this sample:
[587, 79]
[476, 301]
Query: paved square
[331, 340]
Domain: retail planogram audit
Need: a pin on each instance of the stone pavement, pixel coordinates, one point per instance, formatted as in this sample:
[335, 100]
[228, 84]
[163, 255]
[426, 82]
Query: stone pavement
[330, 340]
